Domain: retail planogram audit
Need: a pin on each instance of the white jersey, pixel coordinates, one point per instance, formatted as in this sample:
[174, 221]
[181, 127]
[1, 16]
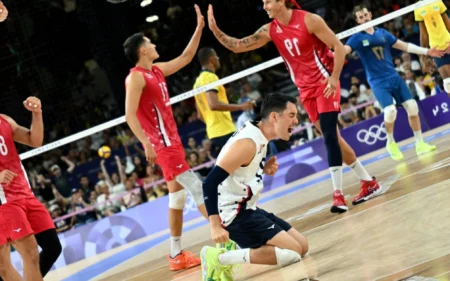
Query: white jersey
[241, 189]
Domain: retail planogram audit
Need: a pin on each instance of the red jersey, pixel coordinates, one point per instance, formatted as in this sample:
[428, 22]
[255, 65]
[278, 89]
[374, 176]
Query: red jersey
[307, 58]
[155, 116]
[19, 188]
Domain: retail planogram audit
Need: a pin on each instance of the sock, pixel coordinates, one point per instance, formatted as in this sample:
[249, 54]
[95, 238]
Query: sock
[175, 246]
[360, 171]
[235, 257]
[336, 177]
[418, 136]
[390, 138]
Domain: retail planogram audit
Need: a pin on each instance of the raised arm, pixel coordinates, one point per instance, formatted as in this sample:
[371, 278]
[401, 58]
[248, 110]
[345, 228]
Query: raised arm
[169, 68]
[255, 41]
[105, 172]
[122, 175]
[35, 135]
[135, 83]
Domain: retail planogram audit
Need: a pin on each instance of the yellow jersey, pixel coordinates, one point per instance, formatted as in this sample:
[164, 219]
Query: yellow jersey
[218, 123]
[437, 31]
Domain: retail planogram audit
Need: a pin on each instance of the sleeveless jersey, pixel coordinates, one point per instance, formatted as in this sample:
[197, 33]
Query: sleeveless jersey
[155, 116]
[19, 188]
[242, 188]
[307, 58]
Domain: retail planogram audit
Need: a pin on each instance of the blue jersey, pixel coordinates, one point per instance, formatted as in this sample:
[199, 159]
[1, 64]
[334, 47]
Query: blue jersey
[375, 53]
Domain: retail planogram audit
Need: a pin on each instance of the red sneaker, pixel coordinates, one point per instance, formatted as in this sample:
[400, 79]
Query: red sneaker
[339, 204]
[184, 260]
[369, 189]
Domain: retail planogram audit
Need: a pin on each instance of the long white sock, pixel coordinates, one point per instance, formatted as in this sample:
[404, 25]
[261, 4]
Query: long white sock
[336, 177]
[418, 136]
[235, 257]
[175, 246]
[390, 138]
[360, 171]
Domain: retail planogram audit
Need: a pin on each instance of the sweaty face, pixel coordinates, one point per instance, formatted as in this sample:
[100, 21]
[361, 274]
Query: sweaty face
[272, 7]
[286, 121]
[363, 16]
[148, 49]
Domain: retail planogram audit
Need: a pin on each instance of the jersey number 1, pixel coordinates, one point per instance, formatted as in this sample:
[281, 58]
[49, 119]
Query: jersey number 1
[291, 45]
[3, 147]
[164, 92]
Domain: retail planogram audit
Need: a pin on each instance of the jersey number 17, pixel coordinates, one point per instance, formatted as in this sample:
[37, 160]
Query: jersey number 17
[291, 46]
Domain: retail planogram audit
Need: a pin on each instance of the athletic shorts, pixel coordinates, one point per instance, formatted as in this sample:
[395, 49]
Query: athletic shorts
[389, 89]
[314, 101]
[253, 228]
[172, 161]
[442, 61]
[22, 218]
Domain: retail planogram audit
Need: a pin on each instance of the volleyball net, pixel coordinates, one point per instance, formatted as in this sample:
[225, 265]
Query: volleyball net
[115, 133]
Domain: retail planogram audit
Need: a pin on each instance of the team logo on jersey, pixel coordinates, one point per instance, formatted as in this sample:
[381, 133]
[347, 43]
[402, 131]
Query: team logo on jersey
[365, 43]
[436, 8]
[382, 39]
[149, 75]
[423, 13]
[279, 30]
[261, 148]
[297, 26]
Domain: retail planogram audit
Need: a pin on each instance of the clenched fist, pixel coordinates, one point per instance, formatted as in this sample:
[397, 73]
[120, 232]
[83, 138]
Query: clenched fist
[33, 104]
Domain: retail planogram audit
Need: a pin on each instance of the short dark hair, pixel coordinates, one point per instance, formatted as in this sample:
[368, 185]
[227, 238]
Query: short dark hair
[275, 102]
[204, 54]
[132, 45]
[359, 8]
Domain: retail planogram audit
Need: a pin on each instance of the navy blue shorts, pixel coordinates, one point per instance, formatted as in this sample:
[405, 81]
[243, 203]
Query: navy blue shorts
[442, 61]
[252, 229]
[389, 89]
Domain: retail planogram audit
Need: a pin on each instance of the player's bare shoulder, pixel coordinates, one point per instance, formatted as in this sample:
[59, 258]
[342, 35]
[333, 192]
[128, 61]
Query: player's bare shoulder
[10, 121]
[135, 78]
[313, 22]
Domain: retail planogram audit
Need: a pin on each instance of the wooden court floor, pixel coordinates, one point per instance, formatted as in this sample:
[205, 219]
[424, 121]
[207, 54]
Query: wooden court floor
[403, 234]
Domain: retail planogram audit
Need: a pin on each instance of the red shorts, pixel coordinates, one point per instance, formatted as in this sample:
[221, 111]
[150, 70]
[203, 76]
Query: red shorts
[314, 102]
[21, 218]
[172, 161]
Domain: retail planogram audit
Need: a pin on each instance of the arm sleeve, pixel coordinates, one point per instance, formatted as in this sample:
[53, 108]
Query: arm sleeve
[417, 15]
[211, 187]
[208, 78]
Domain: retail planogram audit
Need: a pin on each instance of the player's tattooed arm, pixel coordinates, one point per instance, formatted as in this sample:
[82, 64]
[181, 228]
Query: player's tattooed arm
[255, 41]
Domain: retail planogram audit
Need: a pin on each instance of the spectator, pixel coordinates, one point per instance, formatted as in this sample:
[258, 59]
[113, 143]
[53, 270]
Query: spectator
[61, 179]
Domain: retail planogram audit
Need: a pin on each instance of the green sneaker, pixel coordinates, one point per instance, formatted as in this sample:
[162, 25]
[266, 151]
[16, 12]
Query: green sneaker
[423, 147]
[211, 268]
[228, 246]
[394, 151]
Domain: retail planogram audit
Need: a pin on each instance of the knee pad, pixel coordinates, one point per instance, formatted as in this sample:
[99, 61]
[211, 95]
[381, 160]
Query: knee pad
[177, 200]
[286, 257]
[411, 107]
[192, 184]
[446, 83]
[390, 113]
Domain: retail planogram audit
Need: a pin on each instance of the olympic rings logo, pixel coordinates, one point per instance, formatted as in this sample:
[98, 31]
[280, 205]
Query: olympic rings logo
[189, 206]
[372, 135]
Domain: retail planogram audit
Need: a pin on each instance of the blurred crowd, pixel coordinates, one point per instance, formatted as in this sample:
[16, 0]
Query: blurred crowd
[72, 178]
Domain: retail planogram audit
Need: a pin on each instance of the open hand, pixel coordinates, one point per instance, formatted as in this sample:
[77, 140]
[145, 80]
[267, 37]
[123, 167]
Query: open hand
[211, 20]
[433, 52]
[200, 19]
[150, 153]
[331, 88]
[6, 176]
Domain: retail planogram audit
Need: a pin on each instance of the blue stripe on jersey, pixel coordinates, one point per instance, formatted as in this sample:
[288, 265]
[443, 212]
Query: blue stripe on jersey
[374, 50]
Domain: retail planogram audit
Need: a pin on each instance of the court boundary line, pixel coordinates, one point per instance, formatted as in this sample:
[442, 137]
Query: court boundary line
[375, 158]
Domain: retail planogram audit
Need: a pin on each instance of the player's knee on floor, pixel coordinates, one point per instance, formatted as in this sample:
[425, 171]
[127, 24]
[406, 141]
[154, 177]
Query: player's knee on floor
[192, 184]
[286, 257]
[177, 200]
[411, 107]
[446, 83]
[390, 113]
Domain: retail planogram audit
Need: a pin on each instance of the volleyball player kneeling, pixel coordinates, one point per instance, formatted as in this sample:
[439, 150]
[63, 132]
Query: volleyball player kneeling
[232, 188]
